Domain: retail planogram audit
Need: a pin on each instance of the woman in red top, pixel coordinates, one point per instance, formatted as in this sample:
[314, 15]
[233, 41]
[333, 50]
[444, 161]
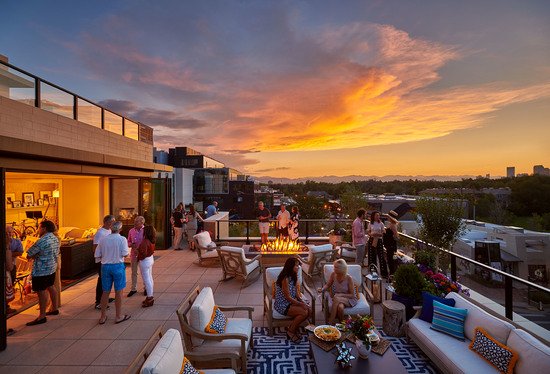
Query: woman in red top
[146, 261]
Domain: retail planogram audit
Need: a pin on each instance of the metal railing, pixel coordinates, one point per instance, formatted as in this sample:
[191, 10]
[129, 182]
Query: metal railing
[70, 103]
[306, 225]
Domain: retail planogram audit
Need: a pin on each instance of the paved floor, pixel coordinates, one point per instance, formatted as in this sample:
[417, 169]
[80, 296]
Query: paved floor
[74, 342]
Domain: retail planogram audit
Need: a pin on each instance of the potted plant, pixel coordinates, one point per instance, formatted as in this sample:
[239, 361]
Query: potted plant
[336, 235]
[409, 283]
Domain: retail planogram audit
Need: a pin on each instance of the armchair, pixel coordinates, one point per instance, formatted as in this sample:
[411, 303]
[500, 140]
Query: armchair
[234, 263]
[347, 251]
[273, 317]
[317, 257]
[364, 306]
[205, 247]
[194, 314]
[163, 353]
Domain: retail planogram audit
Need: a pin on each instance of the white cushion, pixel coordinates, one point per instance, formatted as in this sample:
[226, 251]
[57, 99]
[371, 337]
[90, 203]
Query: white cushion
[453, 353]
[212, 245]
[321, 248]
[354, 272]
[534, 356]
[167, 356]
[201, 311]
[203, 238]
[234, 325]
[208, 253]
[477, 317]
[362, 307]
[277, 315]
[271, 275]
[252, 266]
[348, 253]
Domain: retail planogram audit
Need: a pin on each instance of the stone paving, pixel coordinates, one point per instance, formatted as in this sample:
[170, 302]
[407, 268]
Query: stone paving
[74, 342]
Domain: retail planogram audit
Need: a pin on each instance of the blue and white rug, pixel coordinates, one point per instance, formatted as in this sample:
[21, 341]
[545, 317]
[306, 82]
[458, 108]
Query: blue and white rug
[277, 354]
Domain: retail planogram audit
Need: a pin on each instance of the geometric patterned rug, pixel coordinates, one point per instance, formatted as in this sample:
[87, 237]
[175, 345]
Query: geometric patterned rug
[277, 354]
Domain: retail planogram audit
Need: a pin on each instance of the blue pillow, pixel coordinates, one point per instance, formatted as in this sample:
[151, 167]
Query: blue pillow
[449, 320]
[427, 312]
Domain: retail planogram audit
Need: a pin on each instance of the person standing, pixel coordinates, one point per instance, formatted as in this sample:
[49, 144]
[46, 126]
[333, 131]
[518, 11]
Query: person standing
[293, 226]
[212, 209]
[44, 252]
[283, 220]
[177, 222]
[102, 232]
[359, 240]
[390, 239]
[135, 236]
[111, 251]
[376, 230]
[263, 216]
[15, 248]
[193, 217]
[146, 261]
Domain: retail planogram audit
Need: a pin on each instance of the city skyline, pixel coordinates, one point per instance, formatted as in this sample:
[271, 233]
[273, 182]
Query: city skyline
[286, 89]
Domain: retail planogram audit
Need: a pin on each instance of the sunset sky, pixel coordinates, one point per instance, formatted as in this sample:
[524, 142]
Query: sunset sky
[308, 88]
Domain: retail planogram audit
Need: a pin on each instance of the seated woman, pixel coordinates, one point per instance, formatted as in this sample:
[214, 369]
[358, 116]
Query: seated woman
[288, 298]
[342, 291]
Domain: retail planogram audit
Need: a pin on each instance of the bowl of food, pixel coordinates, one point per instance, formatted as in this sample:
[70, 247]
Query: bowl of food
[327, 333]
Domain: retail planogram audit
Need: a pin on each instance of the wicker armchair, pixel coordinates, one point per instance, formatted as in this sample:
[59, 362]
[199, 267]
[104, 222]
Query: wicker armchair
[235, 264]
[195, 312]
[275, 319]
[364, 305]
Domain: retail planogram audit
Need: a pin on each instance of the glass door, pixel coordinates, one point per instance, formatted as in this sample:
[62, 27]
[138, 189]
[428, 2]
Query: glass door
[155, 203]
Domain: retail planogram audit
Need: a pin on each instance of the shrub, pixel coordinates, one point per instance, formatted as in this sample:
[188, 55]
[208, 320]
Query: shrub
[426, 258]
[409, 281]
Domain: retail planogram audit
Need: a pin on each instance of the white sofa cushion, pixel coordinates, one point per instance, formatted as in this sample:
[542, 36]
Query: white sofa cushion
[201, 311]
[167, 356]
[204, 240]
[234, 325]
[477, 317]
[534, 356]
[324, 248]
[252, 266]
[453, 353]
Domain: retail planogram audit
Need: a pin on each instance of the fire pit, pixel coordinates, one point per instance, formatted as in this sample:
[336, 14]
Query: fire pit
[275, 252]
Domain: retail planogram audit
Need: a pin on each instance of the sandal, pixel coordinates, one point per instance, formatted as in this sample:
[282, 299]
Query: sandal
[102, 321]
[292, 336]
[125, 318]
[149, 301]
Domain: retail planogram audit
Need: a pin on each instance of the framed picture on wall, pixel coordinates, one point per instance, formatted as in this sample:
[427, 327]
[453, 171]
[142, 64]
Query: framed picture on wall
[52, 200]
[45, 195]
[10, 197]
[40, 202]
[28, 198]
[16, 203]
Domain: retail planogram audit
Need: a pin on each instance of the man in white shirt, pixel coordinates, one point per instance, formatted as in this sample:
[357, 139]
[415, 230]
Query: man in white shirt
[111, 251]
[102, 232]
[283, 218]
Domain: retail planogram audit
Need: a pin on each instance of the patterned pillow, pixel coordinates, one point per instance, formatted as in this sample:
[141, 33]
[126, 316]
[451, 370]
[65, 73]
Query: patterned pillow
[449, 320]
[187, 368]
[494, 352]
[217, 323]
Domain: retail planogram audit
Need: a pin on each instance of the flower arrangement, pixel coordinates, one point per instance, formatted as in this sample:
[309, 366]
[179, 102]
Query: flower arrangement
[360, 326]
[442, 284]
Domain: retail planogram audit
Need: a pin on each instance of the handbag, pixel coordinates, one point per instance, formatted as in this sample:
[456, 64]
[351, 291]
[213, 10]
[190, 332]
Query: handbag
[10, 292]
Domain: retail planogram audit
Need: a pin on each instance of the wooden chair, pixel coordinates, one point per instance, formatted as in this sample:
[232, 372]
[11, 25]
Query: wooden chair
[364, 305]
[235, 264]
[274, 318]
[206, 248]
[24, 268]
[317, 257]
[170, 350]
[194, 314]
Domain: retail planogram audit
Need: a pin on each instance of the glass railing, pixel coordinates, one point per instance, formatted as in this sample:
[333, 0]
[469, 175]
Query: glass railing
[27, 88]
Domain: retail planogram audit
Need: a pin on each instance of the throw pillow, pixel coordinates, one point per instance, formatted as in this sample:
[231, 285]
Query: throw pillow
[494, 352]
[449, 320]
[187, 368]
[427, 312]
[203, 238]
[217, 323]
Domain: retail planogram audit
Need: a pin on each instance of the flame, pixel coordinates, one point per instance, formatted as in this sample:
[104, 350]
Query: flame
[282, 246]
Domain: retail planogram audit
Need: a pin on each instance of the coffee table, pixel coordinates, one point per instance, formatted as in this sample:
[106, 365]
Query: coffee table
[324, 361]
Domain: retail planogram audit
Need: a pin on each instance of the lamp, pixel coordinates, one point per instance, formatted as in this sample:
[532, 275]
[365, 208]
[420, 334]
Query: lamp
[374, 283]
[55, 193]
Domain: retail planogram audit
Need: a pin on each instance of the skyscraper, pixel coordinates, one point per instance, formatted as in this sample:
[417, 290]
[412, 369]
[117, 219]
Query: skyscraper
[541, 170]
[510, 171]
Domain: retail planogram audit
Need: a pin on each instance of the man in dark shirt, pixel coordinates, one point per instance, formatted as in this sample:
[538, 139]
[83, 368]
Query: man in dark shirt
[263, 215]
[177, 219]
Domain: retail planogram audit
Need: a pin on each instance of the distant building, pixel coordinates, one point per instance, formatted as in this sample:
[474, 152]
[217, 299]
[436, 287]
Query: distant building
[510, 171]
[319, 194]
[541, 170]
[185, 157]
[160, 156]
[402, 205]
[522, 175]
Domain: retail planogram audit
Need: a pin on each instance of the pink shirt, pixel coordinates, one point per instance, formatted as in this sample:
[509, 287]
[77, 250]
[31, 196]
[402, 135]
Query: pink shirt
[135, 238]
[358, 232]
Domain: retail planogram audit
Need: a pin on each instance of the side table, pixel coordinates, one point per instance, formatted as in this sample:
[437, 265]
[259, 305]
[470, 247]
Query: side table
[393, 318]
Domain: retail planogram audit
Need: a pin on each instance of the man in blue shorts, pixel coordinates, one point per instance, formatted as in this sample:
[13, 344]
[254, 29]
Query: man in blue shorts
[111, 251]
